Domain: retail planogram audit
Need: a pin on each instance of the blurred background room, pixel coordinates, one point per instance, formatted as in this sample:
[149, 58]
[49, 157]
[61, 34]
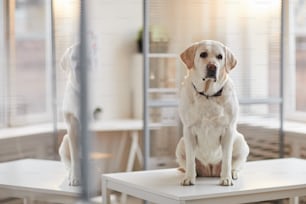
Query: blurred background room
[34, 34]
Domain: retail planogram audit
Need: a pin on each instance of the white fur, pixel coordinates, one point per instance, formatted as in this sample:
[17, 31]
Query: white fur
[209, 123]
[68, 150]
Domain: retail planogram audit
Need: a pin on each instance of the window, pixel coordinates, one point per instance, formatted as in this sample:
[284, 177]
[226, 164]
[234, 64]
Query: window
[2, 64]
[66, 16]
[295, 64]
[300, 54]
[26, 91]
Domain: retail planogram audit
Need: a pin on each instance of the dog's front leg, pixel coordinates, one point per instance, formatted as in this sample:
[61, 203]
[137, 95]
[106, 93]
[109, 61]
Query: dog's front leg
[190, 142]
[74, 179]
[227, 149]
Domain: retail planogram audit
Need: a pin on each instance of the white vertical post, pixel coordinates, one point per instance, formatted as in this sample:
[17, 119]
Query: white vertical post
[145, 50]
[3, 63]
[287, 56]
[84, 137]
[51, 71]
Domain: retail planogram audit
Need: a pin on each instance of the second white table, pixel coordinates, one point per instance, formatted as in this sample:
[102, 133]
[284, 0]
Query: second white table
[259, 181]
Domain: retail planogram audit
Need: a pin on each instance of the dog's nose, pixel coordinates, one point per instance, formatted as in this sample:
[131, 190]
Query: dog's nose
[211, 71]
[211, 67]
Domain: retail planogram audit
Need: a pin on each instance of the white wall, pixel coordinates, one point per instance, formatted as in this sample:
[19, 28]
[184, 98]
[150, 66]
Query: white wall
[116, 24]
[244, 26]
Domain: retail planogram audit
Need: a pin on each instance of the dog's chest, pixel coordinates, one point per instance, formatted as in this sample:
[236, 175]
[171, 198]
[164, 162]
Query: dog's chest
[210, 122]
[208, 144]
[208, 112]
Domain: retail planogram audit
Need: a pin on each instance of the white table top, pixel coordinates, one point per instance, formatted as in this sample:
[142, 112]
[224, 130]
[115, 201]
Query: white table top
[37, 176]
[256, 177]
[117, 125]
[103, 125]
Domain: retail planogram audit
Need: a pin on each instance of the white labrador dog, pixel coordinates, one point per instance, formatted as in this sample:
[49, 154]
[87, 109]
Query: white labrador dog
[68, 150]
[208, 107]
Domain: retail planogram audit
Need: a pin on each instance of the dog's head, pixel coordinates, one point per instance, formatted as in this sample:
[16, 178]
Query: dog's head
[70, 64]
[210, 60]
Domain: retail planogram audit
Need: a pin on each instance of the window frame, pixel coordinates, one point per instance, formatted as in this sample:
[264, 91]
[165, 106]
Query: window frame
[11, 117]
[291, 114]
[2, 62]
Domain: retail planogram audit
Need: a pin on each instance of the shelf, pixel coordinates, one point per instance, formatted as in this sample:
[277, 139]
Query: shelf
[163, 90]
[162, 55]
[250, 101]
[163, 103]
[156, 126]
[174, 103]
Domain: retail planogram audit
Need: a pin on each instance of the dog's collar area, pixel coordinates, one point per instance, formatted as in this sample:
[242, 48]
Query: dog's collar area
[219, 93]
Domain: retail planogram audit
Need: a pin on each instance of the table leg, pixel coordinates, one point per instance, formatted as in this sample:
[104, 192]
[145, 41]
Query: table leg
[133, 150]
[294, 200]
[121, 147]
[105, 192]
[139, 153]
[131, 160]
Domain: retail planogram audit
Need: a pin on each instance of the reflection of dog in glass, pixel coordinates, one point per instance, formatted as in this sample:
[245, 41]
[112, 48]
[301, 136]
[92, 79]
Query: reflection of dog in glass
[68, 150]
[208, 108]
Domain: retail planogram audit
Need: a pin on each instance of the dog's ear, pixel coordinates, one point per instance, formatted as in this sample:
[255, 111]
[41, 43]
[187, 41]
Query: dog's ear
[188, 56]
[230, 59]
[65, 61]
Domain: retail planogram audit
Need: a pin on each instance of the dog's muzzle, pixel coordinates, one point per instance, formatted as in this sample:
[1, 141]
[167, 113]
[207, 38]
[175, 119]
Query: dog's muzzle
[211, 71]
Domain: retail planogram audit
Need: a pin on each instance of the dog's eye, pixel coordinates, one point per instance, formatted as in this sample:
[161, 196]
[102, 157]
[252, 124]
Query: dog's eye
[219, 57]
[203, 54]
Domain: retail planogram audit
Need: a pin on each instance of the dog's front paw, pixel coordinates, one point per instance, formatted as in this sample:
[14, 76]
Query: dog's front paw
[235, 174]
[75, 176]
[227, 181]
[188, 181]
[74, 181]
